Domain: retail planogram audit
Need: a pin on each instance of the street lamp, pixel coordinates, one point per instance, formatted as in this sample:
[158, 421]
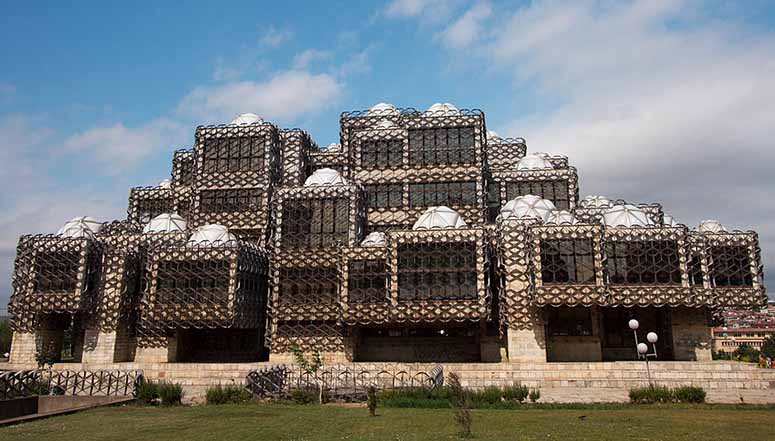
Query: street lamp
[642, 349]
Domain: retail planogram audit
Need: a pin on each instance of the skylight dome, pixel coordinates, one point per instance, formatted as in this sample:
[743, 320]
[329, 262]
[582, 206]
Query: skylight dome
[593, 201]
[383, 109]
[76, 230]
[247, 119]
[385, 124]
[534, 162]
[711, 226]
[87, 222]
[493, 136]
[165, 183]
[560, 217]
[211, 234]
[375, 239]
[333, 147]
[325, 176]
[441, 217]
[443, 108]
[669, 221]
[165, 223]
[625, 216]
[528, 206]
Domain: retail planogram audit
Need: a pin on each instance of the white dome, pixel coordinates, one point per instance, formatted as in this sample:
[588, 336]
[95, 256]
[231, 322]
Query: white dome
[383, 109]
[325, 176]
[443, 108]
[76, 230]
[593, 201]
[165, 183]
[492, 135]
[81, 222]
[165, 223]
[211, 234]
[385, 124]
[625, 216]
[439, 217]
[534, 162]
[711, 226]
[528, 206]
[375, 239]
[669, 221]
[333, 147]
[560, 217]
[247, 118]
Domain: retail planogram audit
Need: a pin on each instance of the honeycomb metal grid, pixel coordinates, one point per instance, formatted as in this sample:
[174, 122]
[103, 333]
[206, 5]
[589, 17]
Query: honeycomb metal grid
[569, 175]
[52, 274]
[245, 211]
[374, 306]
[262, 177]
[204, 286]
[458, 310]
[296, 162]
[569, 294]
[503, 153]
[145, 203]
[183, 168]
[594, 215]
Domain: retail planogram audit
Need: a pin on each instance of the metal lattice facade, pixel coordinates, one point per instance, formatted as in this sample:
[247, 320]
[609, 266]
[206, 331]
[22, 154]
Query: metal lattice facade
[313, 265]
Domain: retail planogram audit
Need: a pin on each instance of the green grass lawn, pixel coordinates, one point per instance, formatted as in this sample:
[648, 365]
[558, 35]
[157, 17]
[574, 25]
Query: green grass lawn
[290, 422]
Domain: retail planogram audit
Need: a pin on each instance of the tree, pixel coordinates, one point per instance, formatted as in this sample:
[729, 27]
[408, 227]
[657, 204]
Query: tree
[459, 402]
[310, 367]
[768, 347]
[5, 336]
[746, 353]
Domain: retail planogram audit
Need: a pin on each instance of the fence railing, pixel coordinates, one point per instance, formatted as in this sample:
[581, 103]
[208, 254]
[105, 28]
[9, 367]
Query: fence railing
[341, 380]
[110, 383]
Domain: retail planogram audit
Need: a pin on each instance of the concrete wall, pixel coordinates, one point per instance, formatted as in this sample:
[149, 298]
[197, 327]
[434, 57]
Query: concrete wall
[691, 335]
[23, 348]
[527, 345]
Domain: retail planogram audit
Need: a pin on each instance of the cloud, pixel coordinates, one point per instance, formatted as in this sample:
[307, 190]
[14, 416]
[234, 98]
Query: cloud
[309, 56]
[118, 147]
[430, 10]
[357, 64]
[274, 38]
[467, 28]
[657, 103]
[281, 98]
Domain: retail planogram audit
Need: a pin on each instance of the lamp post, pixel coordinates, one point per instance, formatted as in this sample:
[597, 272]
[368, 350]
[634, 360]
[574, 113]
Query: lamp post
[642, 349]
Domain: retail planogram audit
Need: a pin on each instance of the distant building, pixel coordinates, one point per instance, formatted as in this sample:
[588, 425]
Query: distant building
[730, 339]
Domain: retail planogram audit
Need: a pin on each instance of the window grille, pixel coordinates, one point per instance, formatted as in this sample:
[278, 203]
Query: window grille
[309, 285]
[653, 262]
[554, 190]
[433, 194]
[442, 146]
[437, 271]
[367, 281]
[192, 281]
[731, 266]
[315, 222]
[567, 261]
[233, 154]
[382, 153]
[57, 271]
[229, 201]
[384, 195]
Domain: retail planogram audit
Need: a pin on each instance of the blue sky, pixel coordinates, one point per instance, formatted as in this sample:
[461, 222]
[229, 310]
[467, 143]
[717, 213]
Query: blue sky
[670, 101]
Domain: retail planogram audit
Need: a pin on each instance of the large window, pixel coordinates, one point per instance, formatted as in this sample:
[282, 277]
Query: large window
[437, 271]
[731, 266]
[442, 193]
[563, 321]
[315, 222]
[367, 281]
[384, 195]
[232, 200]
[653, 262]
[233, 154]
[192, 281]
[555, 190]
[567, 261]
[441, 146]
[57, 271]
[309, 285]
[383, 153]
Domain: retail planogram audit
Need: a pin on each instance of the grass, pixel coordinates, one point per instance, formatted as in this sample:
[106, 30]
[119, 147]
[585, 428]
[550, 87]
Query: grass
[290, 422]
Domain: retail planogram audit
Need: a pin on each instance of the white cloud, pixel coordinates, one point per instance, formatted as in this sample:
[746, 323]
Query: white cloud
[357, 64]
[430, 10]
[309, 56]
[282, 98]
[118, 147]
[274, 38]
[467, 28]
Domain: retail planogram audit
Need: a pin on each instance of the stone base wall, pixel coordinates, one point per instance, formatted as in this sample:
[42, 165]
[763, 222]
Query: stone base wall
[162, 354]
[23, 348]
[527, 345]
[691, 335]
[327, 357]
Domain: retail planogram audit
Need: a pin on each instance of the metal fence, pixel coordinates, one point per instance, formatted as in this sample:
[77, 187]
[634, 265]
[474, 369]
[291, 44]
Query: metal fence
[109, 383]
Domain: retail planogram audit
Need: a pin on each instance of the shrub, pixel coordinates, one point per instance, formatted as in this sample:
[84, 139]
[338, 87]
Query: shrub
[534, 395]
[768, 347]
[651, 394]
[148, 392]
[372, 400]
[308, 395]
[516, 393]
[689, 394]
[170, 394]
[229, 394]
[416, 397]
[459, 402]
[488, 396]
